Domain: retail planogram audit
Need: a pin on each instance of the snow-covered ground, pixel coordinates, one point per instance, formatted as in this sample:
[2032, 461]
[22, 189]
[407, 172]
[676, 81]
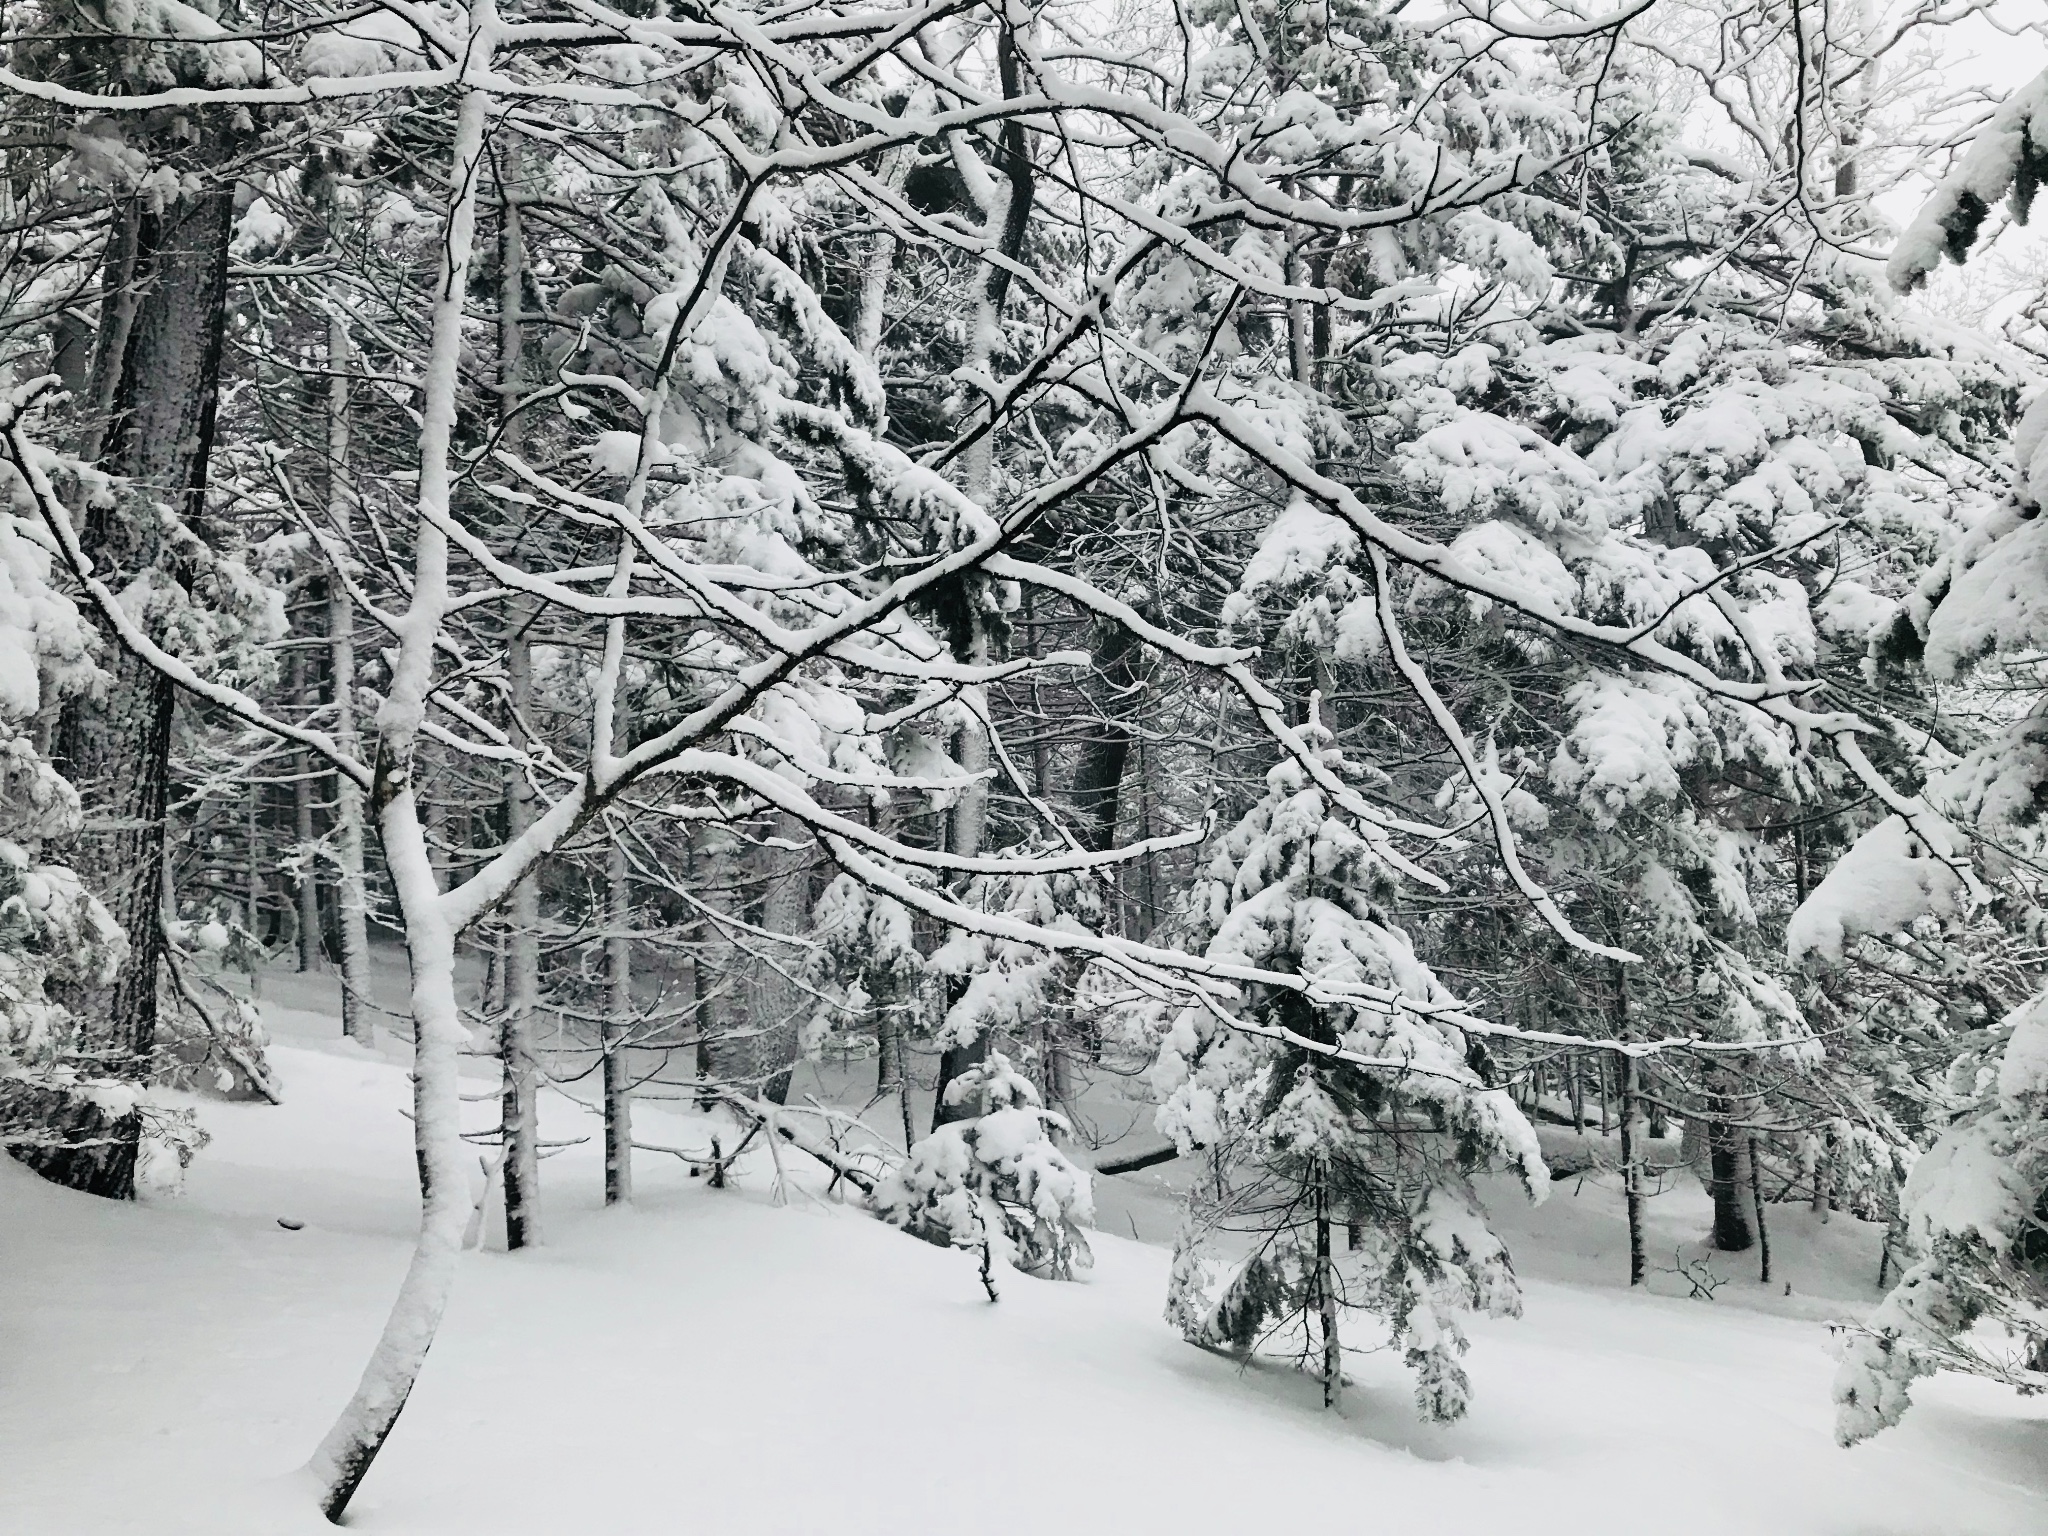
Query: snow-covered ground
[710, 1361]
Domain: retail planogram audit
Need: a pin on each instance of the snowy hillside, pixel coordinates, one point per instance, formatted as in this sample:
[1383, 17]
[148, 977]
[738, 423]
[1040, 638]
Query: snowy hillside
[711, 1361]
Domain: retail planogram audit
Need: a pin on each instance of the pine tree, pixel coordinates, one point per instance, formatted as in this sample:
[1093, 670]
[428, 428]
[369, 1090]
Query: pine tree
[1340, 1112]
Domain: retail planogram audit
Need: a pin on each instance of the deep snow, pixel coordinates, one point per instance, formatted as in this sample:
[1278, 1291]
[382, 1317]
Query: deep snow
[711, 1362]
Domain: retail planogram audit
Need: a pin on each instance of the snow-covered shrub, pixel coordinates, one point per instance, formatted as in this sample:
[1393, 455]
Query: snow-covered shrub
[996, 1182]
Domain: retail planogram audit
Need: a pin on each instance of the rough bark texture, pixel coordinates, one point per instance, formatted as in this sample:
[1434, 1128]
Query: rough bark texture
[157, 434]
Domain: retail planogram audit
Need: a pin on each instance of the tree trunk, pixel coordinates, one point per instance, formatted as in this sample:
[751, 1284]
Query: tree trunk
[348, 1449]
[1756, 1190]
[618, 1103]
[522, 970]
[1630, 1111]
[1326, 1298]
[969, 820]
[304, 831]
[116, 748]
[253, 897]
[1823, 1162]
[785, 909]
[1727, 1157]
[1099, 775]
[721, 1055]
[1631, 1166]
[881, 262]
[358, 1018]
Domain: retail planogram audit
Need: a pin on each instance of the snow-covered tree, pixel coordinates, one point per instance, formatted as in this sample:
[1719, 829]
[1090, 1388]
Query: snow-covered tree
[1975, 1207]
[995, 1181]
[1339, 1123]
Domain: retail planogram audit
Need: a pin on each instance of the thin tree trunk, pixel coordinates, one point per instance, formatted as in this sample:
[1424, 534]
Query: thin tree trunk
[344, 1456]
[969, 819]
[346, 1453]
[1629, 1110]
[881, 263]
[785, 909]
[522, 942]
[1756, 1190]
[1099, 775]
[1006, 215]
[618, 1103]
[304, 831]
[358, 1019]
[254, 897]
[1822, 1167]
[522, 970]
[1326, 1298]
[720, 1056]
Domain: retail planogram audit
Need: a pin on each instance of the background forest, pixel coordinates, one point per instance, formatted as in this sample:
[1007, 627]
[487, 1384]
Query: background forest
[1380, 606]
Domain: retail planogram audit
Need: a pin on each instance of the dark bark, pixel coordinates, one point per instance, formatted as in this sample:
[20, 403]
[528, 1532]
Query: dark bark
[1099, 776]
[1756, 1190]
[954, 1062]
[1733, 1230]
[157, 436]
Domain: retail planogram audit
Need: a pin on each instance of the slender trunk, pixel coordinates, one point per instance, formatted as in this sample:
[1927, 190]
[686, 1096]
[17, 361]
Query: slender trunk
[522, 941]
[358, 1021]
[254, 896]
[1098, 776]
[1299, 355]
[1006, 215]
[346, 1453]
[881, 263]
[1326, 1298]
[522, 969]
[720, 1056]
[1823, 1162]
[785, 909]
[157, 435]
[1631, 1127]
[344, 1456]
[304, 831]
[1756, 1189]
[969, 820]
[618, 1103]
[117, 323]
[1631, 1176]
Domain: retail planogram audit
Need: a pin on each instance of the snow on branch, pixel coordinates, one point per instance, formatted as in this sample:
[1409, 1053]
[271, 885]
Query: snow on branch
[2005, 159]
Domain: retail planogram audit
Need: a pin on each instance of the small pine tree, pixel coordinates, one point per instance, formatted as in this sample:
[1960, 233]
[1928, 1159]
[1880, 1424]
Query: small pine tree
[1336, 1183]
[995, 1183]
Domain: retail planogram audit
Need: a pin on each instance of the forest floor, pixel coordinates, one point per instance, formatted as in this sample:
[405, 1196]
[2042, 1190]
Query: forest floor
[716, 1361]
